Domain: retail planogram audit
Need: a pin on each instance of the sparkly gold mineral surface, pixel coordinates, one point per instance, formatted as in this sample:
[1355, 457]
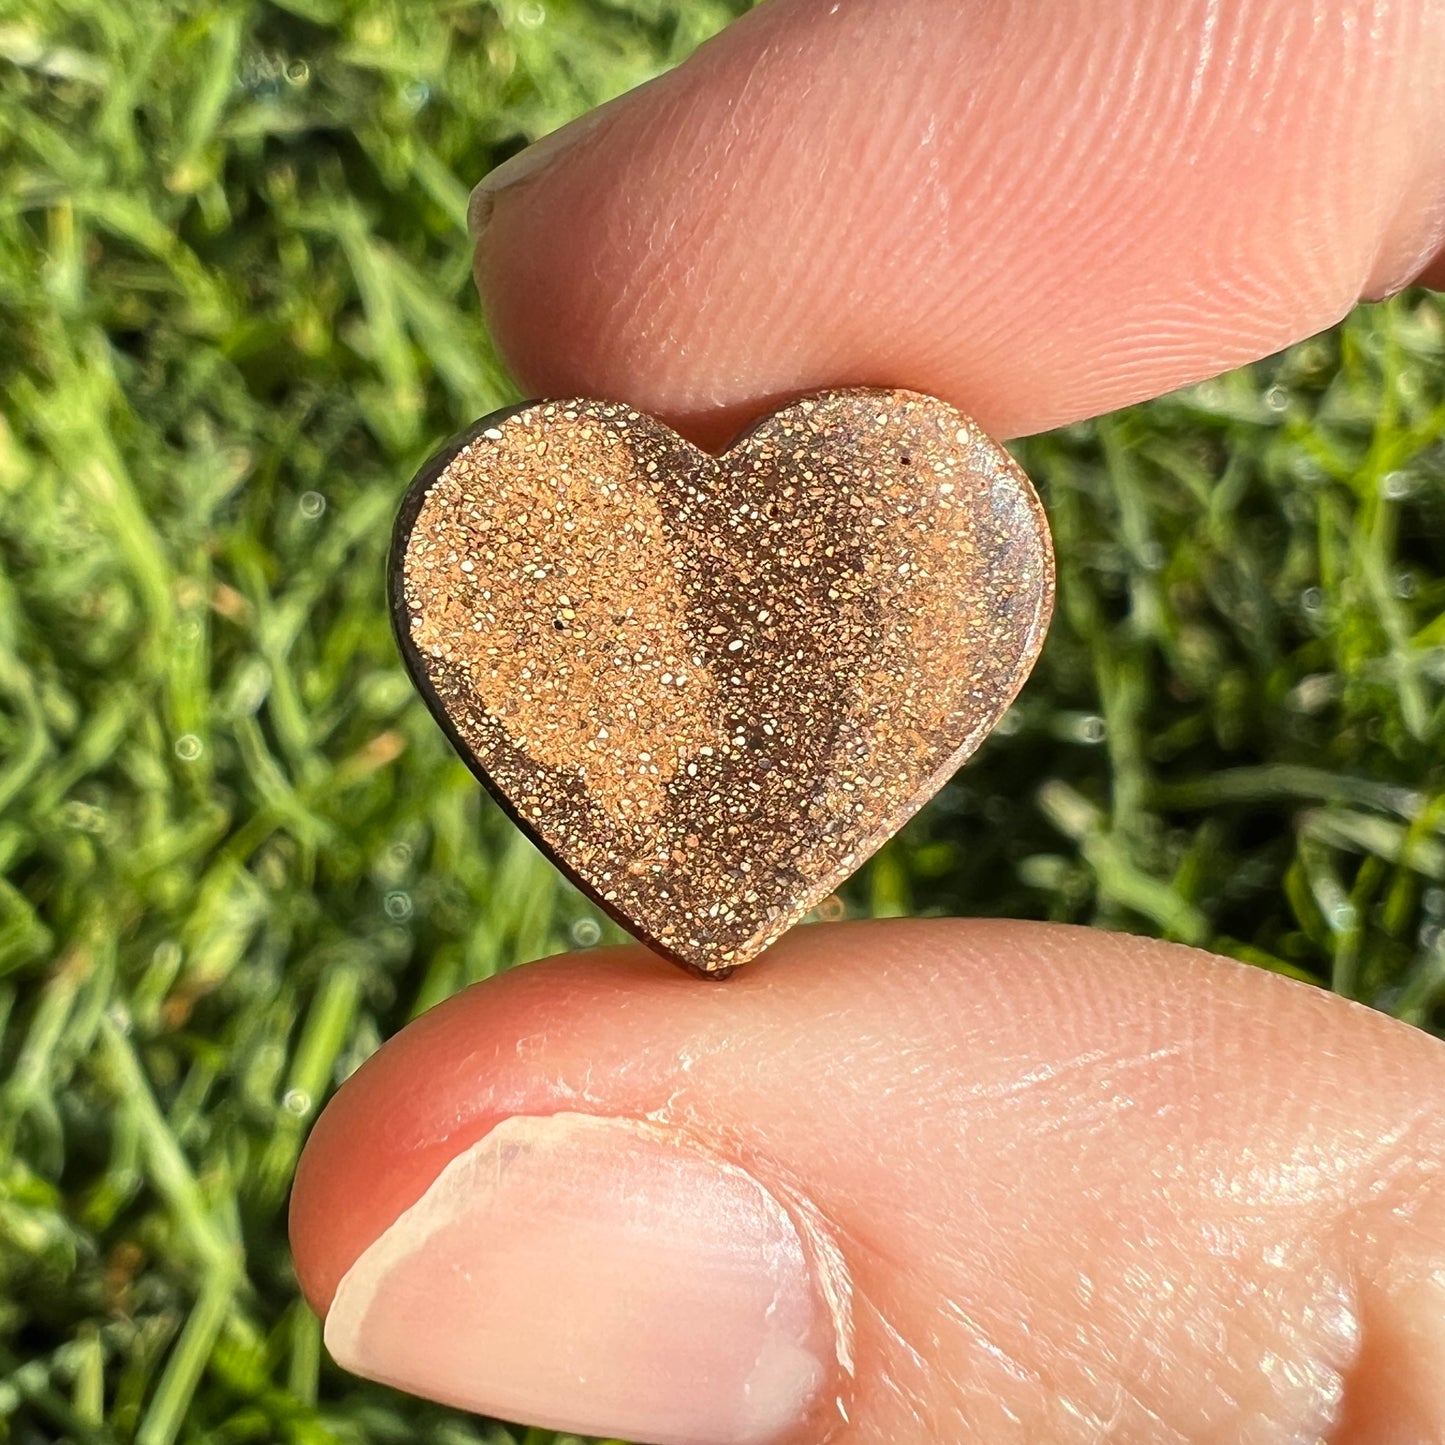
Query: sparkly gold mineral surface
[711, 687]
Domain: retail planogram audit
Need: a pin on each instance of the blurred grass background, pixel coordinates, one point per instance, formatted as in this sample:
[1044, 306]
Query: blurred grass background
[236, 314]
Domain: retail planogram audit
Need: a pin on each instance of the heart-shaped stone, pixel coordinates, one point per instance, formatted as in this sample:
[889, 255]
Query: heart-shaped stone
[711, 687]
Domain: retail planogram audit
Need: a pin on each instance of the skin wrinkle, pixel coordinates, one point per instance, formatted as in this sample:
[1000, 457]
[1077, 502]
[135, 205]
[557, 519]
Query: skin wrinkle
[1320, 266]
[1116, 78]
[1085, 1412]
[988, 176]
[1388, 1157]
[1404, 236]
[1108, 1379]
[1159, 1316]
[909, 1397]
[651, 313]
[1011, 1364]
[1201, 85]
[1068, 1072]
[1421, 1204]
[1112, 1416]
[1228, 39]
[1379, 1156]
[629, 313]
[985, 189]
[1232, 285]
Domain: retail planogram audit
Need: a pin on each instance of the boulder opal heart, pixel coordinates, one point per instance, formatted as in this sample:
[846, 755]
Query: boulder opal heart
[711, 687]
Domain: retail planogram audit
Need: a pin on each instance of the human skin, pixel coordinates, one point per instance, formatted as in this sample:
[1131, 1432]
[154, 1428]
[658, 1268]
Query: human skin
[935, 1181]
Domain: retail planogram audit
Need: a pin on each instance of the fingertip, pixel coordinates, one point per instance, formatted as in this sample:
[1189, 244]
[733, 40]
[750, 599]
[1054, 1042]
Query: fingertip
[493, 1214]
[1033, 220]
[433, 1091]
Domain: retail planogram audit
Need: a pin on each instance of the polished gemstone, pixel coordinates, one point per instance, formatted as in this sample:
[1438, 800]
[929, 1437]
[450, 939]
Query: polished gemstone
[709, 687]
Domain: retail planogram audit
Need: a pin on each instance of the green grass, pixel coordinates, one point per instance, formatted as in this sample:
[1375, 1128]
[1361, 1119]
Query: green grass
[234, 852]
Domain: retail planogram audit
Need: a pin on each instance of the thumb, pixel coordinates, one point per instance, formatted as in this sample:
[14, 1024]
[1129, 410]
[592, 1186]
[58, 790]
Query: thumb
[921, 1181]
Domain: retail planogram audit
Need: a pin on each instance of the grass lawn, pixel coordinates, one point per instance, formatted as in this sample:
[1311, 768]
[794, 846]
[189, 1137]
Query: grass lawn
[235, 854]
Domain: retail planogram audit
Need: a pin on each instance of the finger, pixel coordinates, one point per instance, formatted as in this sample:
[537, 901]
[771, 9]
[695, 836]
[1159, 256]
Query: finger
[928, 1181]
[1036, 212]
[1434, 272]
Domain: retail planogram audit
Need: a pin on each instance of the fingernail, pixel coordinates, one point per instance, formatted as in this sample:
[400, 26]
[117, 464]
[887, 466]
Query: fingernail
[597, 1276]
[525, 164]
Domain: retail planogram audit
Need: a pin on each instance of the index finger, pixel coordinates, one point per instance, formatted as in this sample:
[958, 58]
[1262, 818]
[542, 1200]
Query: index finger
[1036, 212]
